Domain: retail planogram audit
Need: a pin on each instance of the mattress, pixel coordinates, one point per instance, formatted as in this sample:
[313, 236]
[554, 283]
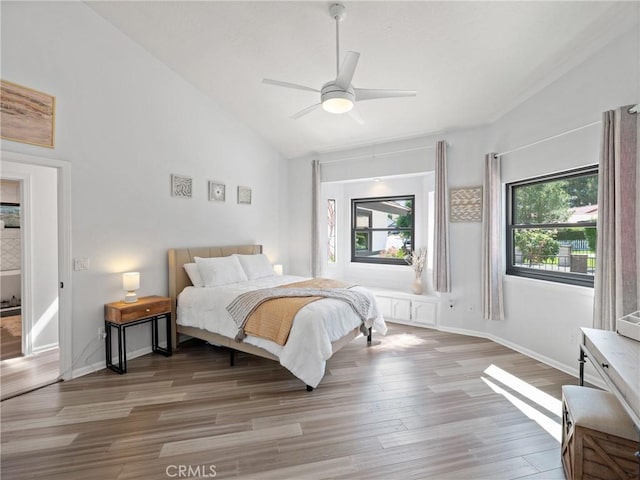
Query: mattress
[315, 326]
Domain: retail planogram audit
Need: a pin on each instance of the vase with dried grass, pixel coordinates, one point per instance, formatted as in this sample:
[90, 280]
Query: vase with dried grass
[417, 260]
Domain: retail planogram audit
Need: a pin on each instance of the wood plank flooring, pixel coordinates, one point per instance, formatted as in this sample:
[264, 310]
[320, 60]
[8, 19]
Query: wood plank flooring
[22, 374]
[419, 405]
[10, 337]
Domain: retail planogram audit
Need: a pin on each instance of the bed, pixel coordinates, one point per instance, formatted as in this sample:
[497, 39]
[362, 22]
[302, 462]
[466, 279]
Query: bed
[319, 329]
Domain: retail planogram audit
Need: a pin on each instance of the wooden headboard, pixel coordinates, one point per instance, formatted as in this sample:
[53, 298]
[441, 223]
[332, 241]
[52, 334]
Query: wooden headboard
[178, 278]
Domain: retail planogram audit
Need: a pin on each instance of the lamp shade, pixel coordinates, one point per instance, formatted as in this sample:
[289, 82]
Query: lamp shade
[131, 281]
[278, 269]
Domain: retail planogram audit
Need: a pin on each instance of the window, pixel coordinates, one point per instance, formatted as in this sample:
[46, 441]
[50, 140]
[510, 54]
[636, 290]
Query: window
[551, 227]
[382, 229]
[331, 234]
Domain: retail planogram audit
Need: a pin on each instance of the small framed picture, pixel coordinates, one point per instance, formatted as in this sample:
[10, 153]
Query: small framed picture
[244, 195]
[181, 186]
[216, 191]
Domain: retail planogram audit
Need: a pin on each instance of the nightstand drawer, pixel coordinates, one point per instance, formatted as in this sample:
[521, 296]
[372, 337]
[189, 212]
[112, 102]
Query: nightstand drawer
[120, 312]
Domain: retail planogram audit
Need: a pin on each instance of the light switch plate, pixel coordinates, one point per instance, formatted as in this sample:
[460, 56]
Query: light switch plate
[80, 264]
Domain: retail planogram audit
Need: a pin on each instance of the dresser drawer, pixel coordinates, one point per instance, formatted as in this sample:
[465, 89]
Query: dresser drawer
[598, 358]
[120, 312]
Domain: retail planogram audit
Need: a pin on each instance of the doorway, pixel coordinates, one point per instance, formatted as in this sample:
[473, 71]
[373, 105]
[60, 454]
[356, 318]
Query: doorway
[10, 270]
[44, 276]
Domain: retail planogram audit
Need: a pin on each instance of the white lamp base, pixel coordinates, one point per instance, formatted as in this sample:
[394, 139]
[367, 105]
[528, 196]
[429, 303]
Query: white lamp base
[130, 297]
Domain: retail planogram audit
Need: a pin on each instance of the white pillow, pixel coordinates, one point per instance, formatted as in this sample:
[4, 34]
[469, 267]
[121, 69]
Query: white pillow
[220, 271]
[194, 274]
[256, 266]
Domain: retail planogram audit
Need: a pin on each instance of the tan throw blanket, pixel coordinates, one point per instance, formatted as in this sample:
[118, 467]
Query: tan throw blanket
[269, 312]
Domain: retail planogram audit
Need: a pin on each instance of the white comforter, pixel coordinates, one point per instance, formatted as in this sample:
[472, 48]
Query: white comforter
[314, 328]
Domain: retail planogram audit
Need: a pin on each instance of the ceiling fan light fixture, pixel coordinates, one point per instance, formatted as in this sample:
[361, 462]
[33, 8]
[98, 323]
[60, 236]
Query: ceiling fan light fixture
[336, 101]
[339, 95]
[337, 105]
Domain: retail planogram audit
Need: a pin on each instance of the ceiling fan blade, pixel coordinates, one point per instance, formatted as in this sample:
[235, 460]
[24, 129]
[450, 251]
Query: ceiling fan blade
[278, 83]
[348, 68]
[353, 113]
[310, 109]
[373, 93]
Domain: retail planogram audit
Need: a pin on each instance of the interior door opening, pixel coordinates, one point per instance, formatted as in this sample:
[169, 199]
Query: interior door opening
[35, 272]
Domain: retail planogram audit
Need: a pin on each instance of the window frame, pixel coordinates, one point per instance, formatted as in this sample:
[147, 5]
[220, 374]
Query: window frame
[547, 275]
[370, 231]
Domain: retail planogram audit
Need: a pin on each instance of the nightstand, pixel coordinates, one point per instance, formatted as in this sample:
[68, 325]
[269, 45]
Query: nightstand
[120, 315]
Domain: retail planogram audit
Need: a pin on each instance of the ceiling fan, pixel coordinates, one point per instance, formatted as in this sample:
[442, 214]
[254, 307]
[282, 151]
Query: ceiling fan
[339, 95]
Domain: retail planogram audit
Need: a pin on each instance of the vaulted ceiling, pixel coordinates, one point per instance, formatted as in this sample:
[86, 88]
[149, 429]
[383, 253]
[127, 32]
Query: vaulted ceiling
[470, 62]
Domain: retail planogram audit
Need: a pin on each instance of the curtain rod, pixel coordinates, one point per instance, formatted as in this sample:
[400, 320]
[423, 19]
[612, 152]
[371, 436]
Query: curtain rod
[548, 138]
[632, 110]
[381, 154]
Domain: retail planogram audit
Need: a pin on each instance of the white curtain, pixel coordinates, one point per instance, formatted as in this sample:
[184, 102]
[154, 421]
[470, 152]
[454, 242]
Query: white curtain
[616, 279]
[441, 274]
[316, 242]
[492, 297]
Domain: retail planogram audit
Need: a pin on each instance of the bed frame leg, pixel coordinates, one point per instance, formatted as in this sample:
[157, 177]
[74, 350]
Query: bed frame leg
[369, 337]
[232, 359]
[309, 388]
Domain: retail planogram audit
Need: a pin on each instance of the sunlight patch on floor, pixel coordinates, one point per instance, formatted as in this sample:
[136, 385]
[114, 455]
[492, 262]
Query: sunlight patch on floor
[399, 341]
[525, 389]
[528, 391]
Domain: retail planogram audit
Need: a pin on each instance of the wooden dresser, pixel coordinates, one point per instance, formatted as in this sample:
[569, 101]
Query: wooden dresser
[617, 360]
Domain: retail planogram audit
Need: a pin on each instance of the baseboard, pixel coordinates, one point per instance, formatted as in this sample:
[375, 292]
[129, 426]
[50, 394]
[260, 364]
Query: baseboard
[44, 348]
[86, 370]
[97, 366]
[573, 371]
[593, 380]
[412, 324]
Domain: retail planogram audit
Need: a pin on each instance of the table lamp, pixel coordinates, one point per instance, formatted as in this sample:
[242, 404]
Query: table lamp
[130, 283]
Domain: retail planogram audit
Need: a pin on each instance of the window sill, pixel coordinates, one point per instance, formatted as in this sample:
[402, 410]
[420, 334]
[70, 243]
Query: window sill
[547, 285]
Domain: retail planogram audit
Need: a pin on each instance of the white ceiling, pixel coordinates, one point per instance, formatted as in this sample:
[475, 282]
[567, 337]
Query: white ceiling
[470, 62]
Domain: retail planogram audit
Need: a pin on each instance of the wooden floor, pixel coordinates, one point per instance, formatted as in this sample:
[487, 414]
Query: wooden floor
[421, 404]
[22, 374]
[10, 337]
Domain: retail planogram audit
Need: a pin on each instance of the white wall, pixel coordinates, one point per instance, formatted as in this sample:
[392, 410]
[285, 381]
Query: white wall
[546, 317]
[126, 122]
[542, 318]
[39, 222]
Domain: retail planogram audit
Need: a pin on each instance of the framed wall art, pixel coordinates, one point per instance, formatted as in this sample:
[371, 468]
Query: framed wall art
[217, 191]
[465, 204]
[181, 186]
[244, 195]
[27, 115]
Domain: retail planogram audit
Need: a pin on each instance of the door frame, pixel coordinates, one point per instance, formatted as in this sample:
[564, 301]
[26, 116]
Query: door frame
[64, 250]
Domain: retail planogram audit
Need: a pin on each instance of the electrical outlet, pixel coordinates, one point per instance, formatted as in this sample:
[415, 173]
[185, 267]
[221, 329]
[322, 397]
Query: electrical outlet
[101, 333]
